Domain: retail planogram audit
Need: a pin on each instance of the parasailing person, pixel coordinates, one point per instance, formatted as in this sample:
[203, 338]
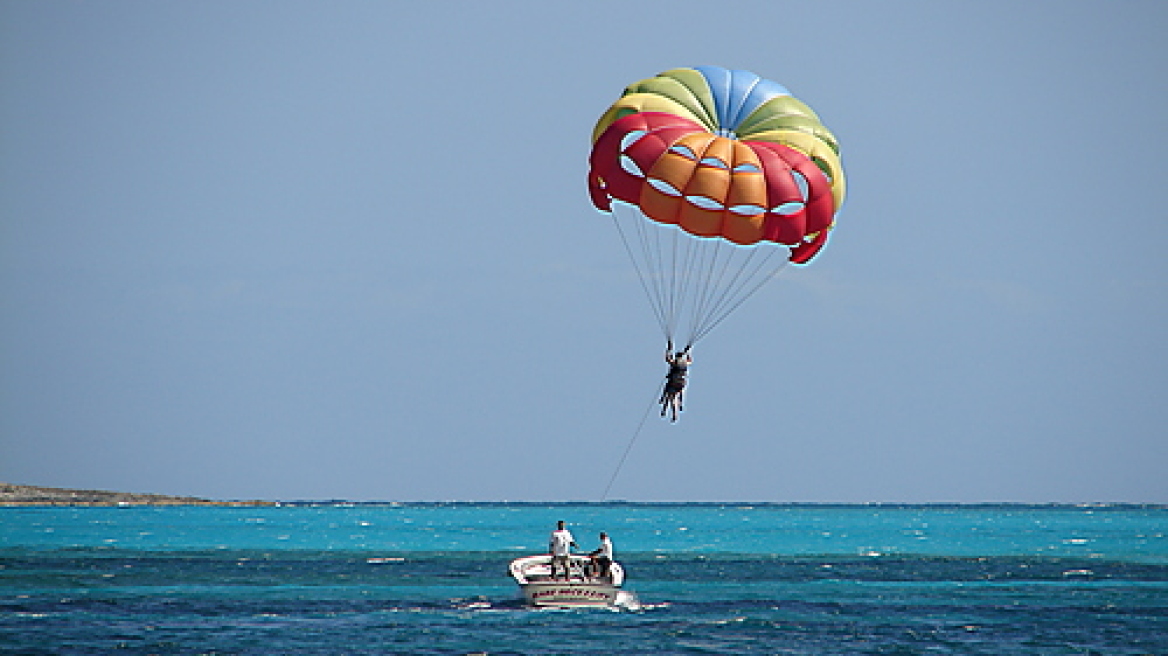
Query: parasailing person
[673, 393]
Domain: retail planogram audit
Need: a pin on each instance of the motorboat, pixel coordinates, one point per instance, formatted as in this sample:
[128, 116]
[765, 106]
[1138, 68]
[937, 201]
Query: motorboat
[581, 587]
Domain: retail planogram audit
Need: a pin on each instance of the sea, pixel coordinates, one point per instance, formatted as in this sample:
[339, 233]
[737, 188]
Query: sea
[702, 578]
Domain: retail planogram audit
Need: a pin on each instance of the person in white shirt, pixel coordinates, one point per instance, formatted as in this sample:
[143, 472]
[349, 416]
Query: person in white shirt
[560, 546]
[602, 557]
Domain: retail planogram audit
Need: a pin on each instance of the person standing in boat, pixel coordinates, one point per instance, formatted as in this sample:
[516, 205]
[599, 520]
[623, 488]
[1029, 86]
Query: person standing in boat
[560, 545]
[602, 557]
[671, 396]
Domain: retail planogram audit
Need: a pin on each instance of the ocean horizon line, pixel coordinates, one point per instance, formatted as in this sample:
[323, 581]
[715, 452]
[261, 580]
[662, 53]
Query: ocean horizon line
[27, 495]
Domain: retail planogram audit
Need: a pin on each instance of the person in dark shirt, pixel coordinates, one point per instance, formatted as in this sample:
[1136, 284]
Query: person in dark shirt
[672, 395]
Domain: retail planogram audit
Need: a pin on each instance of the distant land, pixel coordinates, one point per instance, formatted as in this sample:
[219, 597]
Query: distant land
[29, 495]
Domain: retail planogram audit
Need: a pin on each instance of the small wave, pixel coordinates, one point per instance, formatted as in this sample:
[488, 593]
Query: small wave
[627, 600]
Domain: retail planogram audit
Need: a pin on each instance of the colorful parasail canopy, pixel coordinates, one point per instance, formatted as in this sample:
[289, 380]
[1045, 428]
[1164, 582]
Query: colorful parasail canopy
[720, 153]
[727, 157]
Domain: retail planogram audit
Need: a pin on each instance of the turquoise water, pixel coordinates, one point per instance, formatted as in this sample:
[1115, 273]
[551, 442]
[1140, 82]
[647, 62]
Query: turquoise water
[709, 578]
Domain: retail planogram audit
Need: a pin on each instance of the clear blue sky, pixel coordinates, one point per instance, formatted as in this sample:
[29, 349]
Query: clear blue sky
[309, 250]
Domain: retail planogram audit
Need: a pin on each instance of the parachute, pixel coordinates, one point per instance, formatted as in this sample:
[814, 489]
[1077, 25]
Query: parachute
[716, 180]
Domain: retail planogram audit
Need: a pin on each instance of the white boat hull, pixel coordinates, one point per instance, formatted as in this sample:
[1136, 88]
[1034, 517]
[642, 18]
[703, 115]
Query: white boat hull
[572, 593]
[533, 574]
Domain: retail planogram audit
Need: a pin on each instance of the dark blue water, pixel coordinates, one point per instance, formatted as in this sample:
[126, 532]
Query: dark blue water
[709, 578]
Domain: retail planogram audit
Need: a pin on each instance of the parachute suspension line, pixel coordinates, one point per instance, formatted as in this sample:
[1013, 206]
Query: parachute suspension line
[667, 253]
[729, 310]
[713, 284]
[656, 253]
[685, 274]
[673, 252]
[628, 448]
[692, 283]
[722, 290]
[651, 252]
[645, 285]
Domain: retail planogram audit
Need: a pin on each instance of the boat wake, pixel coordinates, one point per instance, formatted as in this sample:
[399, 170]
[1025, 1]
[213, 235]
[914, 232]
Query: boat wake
[627, 600]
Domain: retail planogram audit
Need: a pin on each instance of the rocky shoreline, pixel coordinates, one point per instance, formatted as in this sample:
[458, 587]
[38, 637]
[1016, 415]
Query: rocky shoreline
[29, 495]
